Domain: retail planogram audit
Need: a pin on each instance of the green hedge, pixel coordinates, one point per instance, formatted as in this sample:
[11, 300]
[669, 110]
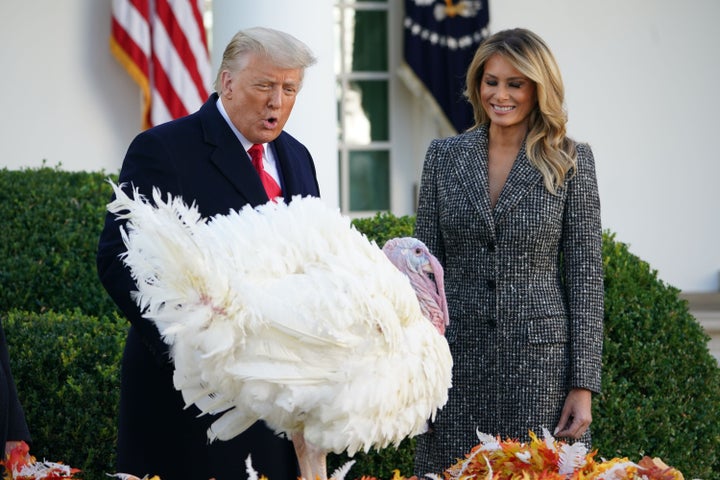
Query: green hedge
[661, 387]
[51, 222]
[65, 367]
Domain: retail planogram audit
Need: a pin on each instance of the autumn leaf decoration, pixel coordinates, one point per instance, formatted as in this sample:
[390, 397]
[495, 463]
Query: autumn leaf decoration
[20, 465]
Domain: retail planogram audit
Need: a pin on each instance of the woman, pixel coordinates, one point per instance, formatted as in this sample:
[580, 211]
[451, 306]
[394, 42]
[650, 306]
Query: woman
[511, 209]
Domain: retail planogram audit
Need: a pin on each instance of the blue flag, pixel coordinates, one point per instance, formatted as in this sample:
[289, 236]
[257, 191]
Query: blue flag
[441, 37]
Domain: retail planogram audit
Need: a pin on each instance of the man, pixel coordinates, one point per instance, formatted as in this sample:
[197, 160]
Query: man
[204, 159]
[13, 426]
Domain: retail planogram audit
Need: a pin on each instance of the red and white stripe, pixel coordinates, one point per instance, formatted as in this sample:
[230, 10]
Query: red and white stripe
[163, 46]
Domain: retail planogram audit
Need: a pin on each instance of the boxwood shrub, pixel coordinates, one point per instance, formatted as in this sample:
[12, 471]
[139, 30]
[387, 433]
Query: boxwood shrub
[661, 386]
[51, 222]
[66, 369]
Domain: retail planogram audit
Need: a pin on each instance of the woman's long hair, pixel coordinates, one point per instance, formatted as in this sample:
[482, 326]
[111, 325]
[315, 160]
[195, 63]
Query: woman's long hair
[547, 145]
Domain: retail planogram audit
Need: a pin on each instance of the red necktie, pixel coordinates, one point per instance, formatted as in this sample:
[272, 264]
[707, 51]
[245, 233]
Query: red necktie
[271, 187]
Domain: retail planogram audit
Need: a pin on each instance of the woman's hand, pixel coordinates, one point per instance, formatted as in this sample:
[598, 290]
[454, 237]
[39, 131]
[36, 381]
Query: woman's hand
[576, 414]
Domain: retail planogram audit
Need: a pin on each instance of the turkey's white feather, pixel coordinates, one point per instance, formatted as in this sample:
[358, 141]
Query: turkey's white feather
[288, 314]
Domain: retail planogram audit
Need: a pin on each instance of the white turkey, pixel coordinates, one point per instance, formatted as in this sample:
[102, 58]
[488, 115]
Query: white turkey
[315, 331]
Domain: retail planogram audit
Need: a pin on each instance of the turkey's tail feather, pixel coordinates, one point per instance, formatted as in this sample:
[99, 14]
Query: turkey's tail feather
[163, 238]
[176, 274]
[230, 424]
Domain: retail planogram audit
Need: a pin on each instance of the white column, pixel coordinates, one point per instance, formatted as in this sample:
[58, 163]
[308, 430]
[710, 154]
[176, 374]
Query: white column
[314, 118]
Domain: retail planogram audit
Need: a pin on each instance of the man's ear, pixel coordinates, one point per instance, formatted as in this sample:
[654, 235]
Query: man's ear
[225, 84]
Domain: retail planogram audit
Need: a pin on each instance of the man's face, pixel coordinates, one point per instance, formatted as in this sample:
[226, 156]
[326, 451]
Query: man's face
[260, 97]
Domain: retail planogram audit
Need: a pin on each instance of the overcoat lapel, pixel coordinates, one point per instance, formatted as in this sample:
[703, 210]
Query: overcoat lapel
[229, 157]
[288, 174]
[240, 173]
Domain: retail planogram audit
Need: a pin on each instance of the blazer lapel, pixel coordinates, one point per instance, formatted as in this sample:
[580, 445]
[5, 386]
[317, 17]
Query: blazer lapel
[470, 160]
[523, 177]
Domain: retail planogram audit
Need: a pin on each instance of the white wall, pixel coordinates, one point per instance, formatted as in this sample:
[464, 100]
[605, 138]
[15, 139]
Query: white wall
[64, 98]
[641, 84]
[640, 78]
[67, 101]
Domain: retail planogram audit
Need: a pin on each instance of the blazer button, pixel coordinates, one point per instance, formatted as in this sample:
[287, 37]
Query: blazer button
[491, 247]
[491, 284]
[491, 322]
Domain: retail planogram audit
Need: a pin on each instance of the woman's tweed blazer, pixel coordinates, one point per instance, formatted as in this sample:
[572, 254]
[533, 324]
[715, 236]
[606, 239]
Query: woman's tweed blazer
[524, 284]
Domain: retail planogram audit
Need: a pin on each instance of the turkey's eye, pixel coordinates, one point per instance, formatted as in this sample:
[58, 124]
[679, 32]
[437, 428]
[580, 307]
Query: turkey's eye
[418, 251]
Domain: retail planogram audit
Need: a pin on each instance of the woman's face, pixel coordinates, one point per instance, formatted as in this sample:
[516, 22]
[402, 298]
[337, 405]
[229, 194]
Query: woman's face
[507, 95]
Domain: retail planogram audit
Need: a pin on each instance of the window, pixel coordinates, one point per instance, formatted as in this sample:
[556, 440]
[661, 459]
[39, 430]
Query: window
[363, 86]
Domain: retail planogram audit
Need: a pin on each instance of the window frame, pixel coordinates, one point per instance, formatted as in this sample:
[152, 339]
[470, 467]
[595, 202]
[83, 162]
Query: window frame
[344, 79]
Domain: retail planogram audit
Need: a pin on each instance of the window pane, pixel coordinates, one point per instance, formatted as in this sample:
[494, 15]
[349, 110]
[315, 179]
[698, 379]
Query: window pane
[369, 180]
[366, 112]
[370, 43]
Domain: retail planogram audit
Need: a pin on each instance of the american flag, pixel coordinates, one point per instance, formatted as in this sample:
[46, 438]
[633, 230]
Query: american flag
[163, 46]
[441, 37]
